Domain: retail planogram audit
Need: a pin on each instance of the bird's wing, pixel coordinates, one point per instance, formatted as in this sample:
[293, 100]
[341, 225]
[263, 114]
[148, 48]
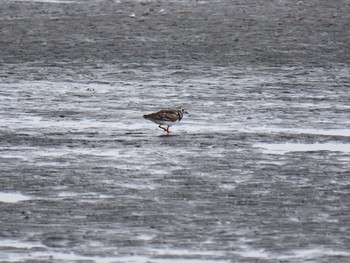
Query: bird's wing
[164, 115]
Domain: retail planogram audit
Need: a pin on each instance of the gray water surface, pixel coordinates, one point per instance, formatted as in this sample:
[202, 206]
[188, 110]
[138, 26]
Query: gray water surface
[257, 172]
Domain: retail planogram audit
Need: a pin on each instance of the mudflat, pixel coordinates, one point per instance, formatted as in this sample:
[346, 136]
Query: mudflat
[257, 172]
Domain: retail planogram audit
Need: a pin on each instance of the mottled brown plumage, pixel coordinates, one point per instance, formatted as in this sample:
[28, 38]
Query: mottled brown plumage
[163, 115]
[166, 117]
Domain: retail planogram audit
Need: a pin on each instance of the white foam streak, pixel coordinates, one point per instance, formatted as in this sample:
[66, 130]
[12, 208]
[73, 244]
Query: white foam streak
[12, 197]
[330, 132]
[302, 147]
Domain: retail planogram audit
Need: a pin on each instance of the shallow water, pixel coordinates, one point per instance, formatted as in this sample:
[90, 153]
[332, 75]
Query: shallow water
[258, 171]
[227, 163]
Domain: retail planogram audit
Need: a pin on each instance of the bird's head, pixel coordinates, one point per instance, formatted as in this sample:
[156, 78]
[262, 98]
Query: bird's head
[183, 110]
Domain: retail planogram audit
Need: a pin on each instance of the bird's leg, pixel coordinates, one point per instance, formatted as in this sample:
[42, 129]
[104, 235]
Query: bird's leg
[160, 126]
[164, 129]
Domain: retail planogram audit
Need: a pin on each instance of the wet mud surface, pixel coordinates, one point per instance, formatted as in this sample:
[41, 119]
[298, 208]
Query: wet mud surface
[258, 172]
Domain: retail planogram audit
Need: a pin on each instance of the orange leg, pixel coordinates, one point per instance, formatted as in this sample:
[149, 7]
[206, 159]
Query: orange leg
[165, 129]
[160, 126]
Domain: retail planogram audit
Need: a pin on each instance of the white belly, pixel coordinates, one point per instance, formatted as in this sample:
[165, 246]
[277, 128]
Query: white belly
[167, 123]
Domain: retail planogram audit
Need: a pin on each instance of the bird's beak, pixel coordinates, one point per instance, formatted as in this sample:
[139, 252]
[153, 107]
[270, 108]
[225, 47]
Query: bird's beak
[186, 112]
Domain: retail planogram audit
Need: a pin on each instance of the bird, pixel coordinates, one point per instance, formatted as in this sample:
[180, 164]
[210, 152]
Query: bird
[166, 117]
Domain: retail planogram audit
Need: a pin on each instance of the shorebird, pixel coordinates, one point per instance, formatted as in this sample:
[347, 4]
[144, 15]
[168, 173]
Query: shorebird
[166, 117]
